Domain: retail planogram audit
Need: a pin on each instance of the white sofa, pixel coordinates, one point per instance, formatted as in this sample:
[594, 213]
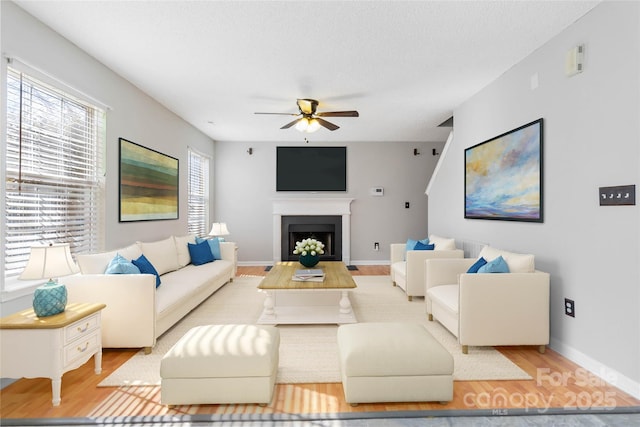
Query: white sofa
[408, 267]
[136, 311]
[490, 309]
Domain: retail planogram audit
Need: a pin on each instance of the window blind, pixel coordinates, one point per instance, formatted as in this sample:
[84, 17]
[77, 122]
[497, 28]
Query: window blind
[53, 163]
[198, 189]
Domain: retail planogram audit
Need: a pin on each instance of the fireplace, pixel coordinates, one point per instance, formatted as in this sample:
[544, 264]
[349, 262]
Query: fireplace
[326, 228]
[305, 207]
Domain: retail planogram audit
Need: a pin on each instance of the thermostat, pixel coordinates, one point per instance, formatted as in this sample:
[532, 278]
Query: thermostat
[376, 191]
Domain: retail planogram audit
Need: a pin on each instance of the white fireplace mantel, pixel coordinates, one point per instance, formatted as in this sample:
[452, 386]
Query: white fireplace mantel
[317, 206]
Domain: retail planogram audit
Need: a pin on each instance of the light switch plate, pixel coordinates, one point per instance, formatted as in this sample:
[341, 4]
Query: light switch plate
[618, 195]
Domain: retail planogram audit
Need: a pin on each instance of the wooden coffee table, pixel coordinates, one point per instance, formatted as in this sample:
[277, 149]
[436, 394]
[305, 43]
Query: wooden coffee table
[292, 302]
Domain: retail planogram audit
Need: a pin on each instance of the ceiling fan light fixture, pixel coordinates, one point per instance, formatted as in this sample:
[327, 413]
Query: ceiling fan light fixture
[314, 125]
[302, 124]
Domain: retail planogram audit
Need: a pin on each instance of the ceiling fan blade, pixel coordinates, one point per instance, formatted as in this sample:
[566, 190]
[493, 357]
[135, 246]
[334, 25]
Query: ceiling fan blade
[327, 124]
[288, 125]
[307, 106]
[339, 114]
[280, 114]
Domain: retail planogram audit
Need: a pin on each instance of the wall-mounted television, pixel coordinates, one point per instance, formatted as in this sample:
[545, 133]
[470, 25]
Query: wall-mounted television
[311, 169]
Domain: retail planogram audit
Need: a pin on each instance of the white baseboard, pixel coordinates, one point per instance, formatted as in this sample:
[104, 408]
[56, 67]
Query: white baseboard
[254, 263]
[371, 262]
[609, 375]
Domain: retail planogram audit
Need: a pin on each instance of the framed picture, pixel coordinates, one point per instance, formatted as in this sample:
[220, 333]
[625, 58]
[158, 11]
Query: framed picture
[148, 184]
[503, 176]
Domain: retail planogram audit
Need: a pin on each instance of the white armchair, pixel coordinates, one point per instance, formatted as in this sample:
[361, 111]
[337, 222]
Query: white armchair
[490, 309]
[408, 267]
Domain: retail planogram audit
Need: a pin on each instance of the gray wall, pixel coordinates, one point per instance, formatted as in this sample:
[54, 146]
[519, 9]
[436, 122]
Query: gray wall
[134, 116]
[245, 189]
[591, 139]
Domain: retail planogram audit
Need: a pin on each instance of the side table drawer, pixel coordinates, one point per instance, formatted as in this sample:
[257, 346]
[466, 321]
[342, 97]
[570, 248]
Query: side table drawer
[81, 327]
[82, 348]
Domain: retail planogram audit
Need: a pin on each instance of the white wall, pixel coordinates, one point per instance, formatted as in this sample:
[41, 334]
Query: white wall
[591, 139]
[134, 116]
[245, 189]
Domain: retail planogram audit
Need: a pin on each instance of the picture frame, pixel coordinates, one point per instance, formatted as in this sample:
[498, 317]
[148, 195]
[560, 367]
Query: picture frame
[503, 176]
[148, 184]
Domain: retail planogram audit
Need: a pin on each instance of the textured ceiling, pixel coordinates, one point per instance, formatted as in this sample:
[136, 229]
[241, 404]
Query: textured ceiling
[404, 66]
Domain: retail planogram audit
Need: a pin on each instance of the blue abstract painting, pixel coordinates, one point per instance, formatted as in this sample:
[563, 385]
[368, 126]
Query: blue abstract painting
[503, 176]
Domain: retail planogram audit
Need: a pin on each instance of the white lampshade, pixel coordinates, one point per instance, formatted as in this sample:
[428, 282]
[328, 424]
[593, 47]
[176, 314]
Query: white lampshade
[46, 262]
[219, 229]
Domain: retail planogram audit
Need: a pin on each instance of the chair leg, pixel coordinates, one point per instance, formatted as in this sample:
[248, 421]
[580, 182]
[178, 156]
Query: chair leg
[430, 317]
[542, 349]
[465, 349]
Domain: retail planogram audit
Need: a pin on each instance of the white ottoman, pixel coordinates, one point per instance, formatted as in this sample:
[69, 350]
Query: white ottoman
[221, 364]
[393, 362]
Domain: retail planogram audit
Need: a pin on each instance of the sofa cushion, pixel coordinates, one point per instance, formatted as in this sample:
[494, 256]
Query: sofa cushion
[200, 253]
[184, 258]
[146, 267]
[179, 286]
[442, 243]
[518, 263]
[162, 254]
[476, 265]
[98, 263]
[497, 265]
[446, 295]
[121, 265]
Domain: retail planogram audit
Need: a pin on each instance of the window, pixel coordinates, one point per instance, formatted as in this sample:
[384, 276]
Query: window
[198, 203]
[53, 170]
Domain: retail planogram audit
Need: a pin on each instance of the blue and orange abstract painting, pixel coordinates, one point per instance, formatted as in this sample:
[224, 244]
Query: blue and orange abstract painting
[503, 176]
[148, 184]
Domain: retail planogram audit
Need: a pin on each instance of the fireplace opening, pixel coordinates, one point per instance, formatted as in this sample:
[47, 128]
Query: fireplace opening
[327, 229]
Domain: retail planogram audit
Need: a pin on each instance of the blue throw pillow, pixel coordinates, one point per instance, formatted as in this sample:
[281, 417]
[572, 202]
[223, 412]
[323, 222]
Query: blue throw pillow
[422, 247]
[121, 265]
[476, 265]
[214, 244]
[498, 265]
[200, 253]
[146, 267]
[411, 243]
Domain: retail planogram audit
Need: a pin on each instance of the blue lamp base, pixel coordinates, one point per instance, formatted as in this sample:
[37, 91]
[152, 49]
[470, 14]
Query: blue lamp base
[49, 299]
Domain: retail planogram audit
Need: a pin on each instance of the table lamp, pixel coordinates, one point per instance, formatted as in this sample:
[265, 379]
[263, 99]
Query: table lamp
[219, 229]
[46, 262]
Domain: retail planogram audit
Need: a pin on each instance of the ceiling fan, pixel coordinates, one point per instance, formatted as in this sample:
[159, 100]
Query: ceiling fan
[309, 120]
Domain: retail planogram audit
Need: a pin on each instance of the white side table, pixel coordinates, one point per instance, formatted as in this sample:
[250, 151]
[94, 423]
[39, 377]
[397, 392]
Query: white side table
[34, 347]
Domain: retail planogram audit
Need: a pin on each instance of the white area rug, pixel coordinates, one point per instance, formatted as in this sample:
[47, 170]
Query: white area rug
[309, 353]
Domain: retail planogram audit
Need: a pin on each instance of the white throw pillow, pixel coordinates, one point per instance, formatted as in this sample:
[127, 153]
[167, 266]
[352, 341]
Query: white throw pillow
[94, 263]
[184, 258]
[98, 263]
[161, 254]
[518, 263]
[442, 243]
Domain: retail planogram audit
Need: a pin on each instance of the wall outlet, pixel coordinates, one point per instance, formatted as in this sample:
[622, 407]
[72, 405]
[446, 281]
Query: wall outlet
[376, 246]
[569, 307]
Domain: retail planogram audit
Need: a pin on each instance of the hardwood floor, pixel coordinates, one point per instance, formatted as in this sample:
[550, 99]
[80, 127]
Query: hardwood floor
[557, 383]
